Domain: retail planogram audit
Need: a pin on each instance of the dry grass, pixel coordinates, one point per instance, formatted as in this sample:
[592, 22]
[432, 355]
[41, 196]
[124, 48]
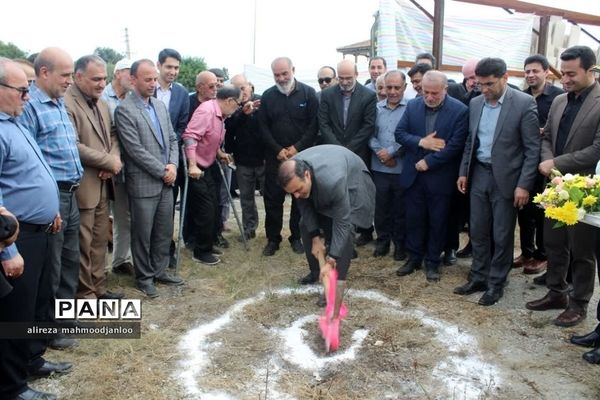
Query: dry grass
[395, 362]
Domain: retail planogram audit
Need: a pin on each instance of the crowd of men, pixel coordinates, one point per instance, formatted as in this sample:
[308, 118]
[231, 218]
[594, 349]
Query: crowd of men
[471, 153]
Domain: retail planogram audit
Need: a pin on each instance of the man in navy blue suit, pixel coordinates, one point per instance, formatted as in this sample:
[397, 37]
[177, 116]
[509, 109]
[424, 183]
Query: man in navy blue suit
[177, 100]
[432, 131]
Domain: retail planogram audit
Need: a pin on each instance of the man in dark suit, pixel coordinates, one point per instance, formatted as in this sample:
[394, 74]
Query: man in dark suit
[335, 193]
[432, 131]
[571, 144]
[531, 217]
[150, 154]
[499, 164]
[176, 99]
[347, 114]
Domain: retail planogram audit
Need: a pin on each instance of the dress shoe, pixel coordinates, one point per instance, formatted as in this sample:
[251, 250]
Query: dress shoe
[432, 273]
[592, 339]
[125, 268]
[168, 279]
[270, 249]
[62, 343]
[592, 356]
[31, 394]
[148, 289]
[322, 302]
[466, 252]
[399, 253]
[470, 287]
[248, 235]
[308, 279]
[570, 317]
[381, 249]
[540, 280]
[408, 268]
[108, 295]
[206, 258]
[450, 257]
[363, 239]
[221, 242]
[50, 368]
[535, 267]
[521, 261]
[491, 296]
[551, 301]
[297, 246]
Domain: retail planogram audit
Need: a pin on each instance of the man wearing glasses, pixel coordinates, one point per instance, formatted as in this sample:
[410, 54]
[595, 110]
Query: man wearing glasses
[326, 77]
[23, 261]
[498, 168]
[202, 141]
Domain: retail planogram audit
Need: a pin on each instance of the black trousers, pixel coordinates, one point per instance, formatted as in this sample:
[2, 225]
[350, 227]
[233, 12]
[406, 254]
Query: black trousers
[274, 196]
[203, 207]
[390, 215]
[531, 225]
[20, 306]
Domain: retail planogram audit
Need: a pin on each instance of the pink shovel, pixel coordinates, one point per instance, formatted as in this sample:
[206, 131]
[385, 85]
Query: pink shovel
[330, 327]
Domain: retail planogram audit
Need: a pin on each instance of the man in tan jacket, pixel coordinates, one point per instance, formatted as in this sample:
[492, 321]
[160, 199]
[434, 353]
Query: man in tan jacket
[101, 160]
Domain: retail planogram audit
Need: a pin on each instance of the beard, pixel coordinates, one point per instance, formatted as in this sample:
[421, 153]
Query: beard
[286, 88]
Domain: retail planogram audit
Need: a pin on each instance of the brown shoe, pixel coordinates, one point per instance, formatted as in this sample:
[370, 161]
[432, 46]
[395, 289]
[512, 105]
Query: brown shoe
[570, 317]
[521, 261]
[551, 301]
[535, 267]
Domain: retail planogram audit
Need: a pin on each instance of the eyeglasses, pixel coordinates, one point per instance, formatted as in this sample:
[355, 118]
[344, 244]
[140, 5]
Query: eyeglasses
[326, 80]
[239, 105]
[24, 91]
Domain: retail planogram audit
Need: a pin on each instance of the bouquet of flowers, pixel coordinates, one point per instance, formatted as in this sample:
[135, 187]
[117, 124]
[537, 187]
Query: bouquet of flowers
[567, 198]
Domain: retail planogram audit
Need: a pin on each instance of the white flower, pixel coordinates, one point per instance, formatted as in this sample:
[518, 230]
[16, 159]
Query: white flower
[568, 177]
[563, 195]
[580, 214]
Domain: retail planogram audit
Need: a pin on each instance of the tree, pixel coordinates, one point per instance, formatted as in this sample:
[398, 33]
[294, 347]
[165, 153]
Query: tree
[11, 51]
[189, 68]
[109, 55]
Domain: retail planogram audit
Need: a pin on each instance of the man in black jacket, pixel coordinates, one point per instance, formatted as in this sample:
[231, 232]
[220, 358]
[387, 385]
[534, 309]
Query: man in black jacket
[288, 124]
[243, 140]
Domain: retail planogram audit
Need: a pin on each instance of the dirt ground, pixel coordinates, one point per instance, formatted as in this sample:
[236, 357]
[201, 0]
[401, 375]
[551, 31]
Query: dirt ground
[244, 329]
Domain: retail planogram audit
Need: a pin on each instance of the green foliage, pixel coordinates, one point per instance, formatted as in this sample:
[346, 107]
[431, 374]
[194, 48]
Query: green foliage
[109, 55]
[9, 50]
[189, 68]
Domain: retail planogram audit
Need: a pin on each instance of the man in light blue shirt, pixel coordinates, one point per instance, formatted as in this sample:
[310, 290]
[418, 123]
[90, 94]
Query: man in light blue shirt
[386, 165]
[46, 119]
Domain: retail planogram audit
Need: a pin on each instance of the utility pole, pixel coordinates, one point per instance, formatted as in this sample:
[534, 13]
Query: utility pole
[127, 47]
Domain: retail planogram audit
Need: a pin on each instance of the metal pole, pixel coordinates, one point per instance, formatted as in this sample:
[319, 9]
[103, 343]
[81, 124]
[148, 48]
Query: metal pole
[235, 214]
[182, 209]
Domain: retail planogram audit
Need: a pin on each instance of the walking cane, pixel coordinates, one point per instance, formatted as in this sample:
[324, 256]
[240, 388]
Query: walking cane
[182, 209]
[235, 214]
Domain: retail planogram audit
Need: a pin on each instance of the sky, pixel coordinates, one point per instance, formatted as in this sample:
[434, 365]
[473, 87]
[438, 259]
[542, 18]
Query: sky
[222, 32]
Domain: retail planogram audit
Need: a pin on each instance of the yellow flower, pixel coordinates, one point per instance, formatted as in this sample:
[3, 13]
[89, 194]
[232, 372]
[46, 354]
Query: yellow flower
[538, 198]
[589, 200]
[567, 214]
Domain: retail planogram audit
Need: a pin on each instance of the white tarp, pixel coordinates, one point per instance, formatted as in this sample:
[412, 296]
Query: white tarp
[405, 31]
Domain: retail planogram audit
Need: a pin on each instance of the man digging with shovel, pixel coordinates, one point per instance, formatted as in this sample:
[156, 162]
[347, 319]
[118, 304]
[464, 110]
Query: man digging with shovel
[335, 193]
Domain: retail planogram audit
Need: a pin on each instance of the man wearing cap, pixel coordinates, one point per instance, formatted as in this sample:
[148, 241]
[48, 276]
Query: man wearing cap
[121, 256]
[101, 159]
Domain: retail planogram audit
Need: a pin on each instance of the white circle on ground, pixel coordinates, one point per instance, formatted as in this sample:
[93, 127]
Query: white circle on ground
[463, 370]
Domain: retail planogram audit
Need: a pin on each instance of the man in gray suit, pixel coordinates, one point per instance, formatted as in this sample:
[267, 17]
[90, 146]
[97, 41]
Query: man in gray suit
[335, 193]
[571, 144]
[150, 152]
[499, 166]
